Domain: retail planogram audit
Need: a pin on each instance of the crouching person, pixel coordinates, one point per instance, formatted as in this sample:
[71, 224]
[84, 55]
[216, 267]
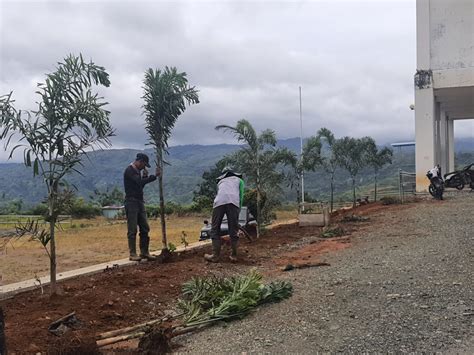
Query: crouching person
[135, 178]
[229, 198]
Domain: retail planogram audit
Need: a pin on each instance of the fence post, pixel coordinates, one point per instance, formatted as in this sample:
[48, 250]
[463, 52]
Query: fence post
[400, 187]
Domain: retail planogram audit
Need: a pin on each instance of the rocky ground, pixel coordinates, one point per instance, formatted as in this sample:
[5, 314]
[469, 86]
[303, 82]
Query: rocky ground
[404, 285]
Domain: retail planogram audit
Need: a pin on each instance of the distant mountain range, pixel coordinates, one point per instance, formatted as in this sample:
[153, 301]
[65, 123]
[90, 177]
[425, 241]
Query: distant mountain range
[104, 170]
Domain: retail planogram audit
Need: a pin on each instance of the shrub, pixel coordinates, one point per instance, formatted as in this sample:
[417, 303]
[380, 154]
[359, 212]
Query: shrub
[390, 200]
[332, 232]
[201, 204]
[171, 247]
[39, 210]
[152, 211]
[80, 209]
[250, 200]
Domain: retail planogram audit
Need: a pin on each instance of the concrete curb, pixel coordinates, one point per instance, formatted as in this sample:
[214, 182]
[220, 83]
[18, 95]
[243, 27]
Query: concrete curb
[9, 290]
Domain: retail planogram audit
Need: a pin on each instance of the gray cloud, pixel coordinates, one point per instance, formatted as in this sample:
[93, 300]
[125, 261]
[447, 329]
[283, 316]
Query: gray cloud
[354, 59]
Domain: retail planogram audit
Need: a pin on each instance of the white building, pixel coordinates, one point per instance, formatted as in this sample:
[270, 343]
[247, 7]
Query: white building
[444, 81]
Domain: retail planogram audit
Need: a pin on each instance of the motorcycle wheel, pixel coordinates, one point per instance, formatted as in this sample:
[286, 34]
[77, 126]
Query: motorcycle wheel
[460, 186]
[432, 190]
[440, 192]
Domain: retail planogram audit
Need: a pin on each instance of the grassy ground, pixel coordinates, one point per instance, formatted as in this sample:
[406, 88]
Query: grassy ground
[88, 242]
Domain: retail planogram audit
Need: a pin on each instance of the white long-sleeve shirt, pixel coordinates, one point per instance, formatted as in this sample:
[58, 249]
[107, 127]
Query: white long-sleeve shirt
[229, 190]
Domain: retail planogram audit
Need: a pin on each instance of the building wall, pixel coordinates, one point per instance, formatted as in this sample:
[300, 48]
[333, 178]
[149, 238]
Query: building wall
[451, 24]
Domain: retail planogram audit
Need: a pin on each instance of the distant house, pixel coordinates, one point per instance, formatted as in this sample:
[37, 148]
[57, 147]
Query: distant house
[112, 212]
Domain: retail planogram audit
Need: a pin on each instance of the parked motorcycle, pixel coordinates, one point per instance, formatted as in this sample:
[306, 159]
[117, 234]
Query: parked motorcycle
[459, 179]
[436, 187]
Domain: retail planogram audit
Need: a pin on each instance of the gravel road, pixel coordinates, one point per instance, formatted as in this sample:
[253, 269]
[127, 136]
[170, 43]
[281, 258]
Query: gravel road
[405, 285]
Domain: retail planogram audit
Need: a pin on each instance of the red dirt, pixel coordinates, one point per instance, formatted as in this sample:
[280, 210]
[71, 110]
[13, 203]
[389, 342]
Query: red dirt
[128, 296]
[310, 255]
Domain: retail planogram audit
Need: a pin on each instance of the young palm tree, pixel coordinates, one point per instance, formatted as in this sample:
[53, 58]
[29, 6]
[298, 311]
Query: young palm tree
[377, 159]
[329, 160]
[309, 160]
[69, 120]
[258, 159]
[352, 155]
[166, 93]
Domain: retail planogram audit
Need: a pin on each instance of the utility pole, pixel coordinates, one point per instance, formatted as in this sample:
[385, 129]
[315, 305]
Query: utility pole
[301, 156]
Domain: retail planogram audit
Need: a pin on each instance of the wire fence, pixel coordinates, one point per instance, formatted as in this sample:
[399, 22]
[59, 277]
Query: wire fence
[12, 220]
[401, 188]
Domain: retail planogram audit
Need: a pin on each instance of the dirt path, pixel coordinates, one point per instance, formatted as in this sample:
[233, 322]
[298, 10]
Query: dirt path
[405, 285]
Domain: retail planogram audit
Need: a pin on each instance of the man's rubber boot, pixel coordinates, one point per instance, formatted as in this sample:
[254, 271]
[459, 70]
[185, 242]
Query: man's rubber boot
[233, 244]
[144, 253]
[132, 247]
[216, 251]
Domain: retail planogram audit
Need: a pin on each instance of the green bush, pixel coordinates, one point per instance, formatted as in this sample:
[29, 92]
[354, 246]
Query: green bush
[11, 207]
[152, 211]
[80, 209]
[250, 200]
[390, 200]
[39, 210]
[201, 204]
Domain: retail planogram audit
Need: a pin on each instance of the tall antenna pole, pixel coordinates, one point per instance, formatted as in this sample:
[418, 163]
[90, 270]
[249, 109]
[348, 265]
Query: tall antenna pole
[301, 156]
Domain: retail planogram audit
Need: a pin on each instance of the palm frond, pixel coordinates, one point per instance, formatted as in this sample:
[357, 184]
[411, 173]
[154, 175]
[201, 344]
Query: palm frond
[211, 299]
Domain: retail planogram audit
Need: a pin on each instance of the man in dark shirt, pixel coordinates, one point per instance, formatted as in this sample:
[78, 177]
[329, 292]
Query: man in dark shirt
[135, 178]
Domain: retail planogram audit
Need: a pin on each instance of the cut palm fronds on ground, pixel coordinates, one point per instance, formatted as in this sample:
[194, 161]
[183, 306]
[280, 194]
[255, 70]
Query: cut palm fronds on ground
[332, 232]
[206, 300]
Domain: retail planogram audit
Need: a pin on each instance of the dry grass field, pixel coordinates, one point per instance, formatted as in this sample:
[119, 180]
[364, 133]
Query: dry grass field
[89, 242]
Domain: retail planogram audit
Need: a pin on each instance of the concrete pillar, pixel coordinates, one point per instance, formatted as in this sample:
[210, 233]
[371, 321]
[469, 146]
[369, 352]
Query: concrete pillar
[437, 131]
[450, 144]
[425, 114]
[443, 133]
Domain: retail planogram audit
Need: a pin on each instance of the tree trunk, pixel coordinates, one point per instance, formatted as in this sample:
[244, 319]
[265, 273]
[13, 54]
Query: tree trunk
[259, 212]
[162, 212]
[52, 241]
[3, 340]
[375, 189]
[159, 163]
[353, 193]
[332, 192]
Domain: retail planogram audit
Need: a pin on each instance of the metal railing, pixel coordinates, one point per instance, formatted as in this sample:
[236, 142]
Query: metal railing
[406, 184]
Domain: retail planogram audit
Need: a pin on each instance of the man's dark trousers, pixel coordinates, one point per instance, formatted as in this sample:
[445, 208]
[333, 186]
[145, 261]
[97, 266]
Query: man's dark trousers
[136, 217]
[232, 213]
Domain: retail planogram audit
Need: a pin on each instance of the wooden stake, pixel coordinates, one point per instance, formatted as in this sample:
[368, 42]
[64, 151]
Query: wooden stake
[110, 341]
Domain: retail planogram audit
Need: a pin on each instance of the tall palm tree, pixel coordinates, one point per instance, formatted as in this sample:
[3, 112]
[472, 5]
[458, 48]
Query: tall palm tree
[166, 93]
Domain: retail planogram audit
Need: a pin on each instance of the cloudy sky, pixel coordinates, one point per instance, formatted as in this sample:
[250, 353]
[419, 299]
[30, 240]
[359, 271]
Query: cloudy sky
[354, 60]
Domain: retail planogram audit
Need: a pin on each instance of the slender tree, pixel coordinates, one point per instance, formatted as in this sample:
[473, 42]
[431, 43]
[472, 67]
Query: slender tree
[329, 161]
[258, 159]
[309, 160]
[352, 155]
[70, 119]
[377, 159]
[166, 93]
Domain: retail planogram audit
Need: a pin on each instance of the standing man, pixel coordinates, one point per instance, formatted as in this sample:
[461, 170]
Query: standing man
[230, 195]
[135, 178]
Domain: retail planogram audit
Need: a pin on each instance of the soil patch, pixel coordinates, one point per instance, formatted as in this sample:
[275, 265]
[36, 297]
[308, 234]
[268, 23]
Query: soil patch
[122, 297]
[310, 255]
